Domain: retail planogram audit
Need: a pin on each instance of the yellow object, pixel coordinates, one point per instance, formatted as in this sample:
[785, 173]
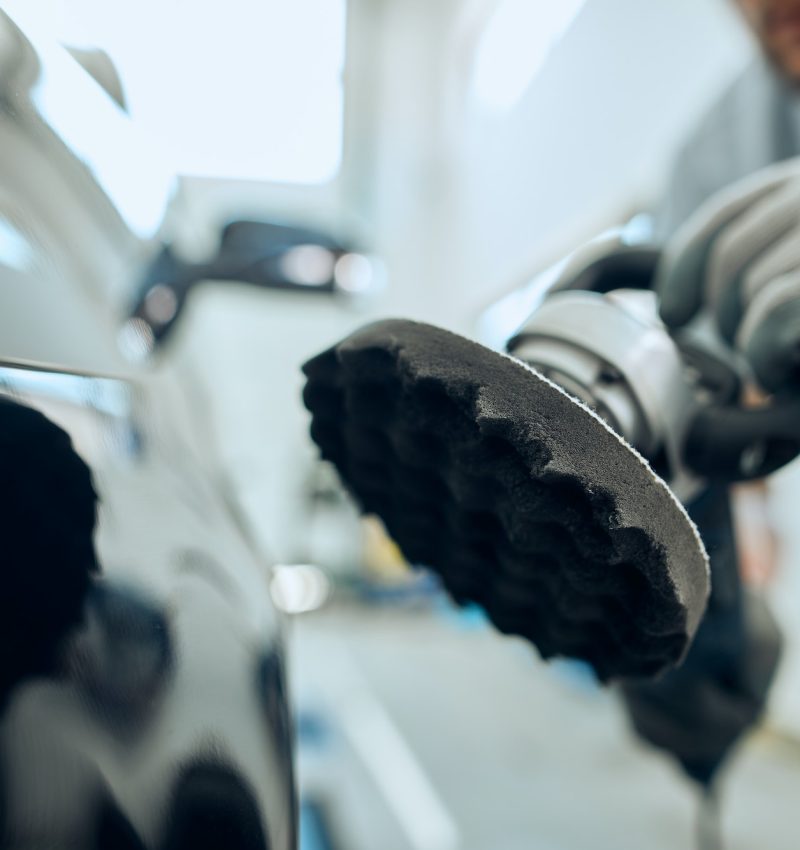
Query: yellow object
[381, 556]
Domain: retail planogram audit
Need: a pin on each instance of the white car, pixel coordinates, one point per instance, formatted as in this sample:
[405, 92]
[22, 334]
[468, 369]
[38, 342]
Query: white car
[155, 715]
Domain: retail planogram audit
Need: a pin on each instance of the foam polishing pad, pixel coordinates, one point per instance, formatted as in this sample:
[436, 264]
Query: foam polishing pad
[47, 519]
[521, 498]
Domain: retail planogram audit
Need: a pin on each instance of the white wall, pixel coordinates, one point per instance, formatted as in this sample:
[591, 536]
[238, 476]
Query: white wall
[464, 204]
[590, 140]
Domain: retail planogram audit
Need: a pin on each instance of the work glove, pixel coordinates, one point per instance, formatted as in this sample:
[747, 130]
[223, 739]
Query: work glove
[738, 258]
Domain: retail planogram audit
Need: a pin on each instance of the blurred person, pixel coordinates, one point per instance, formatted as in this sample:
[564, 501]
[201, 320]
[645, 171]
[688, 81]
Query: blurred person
[754, 124]
[756, 121]
[730, 227]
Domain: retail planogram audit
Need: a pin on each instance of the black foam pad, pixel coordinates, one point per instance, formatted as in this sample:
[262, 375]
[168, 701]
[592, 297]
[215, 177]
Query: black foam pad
[520, 497]
[47, 518]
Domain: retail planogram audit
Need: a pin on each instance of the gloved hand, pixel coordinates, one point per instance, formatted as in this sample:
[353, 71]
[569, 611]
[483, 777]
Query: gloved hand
[738, 258]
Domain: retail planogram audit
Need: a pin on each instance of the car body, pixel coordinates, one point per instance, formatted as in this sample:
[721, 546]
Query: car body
[167, 715]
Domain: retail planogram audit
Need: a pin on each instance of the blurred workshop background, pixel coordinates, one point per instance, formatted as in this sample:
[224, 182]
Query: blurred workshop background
[464, 145]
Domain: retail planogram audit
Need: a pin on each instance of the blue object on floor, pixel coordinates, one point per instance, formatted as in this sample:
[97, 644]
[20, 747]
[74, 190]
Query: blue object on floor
[578, 674]
[468, 618]
[314, 833]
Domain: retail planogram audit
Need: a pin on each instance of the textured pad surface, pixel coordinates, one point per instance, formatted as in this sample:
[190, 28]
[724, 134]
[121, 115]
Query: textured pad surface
[522, 499]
